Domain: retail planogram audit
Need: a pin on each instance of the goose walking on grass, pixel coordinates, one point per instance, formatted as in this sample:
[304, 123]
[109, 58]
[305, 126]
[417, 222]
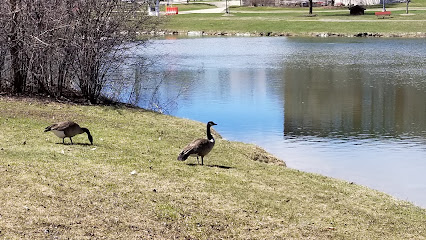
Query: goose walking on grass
[68, 129]
[199, 147]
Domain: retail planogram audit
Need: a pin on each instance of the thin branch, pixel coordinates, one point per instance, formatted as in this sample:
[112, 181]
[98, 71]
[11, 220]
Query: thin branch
[39, 40]
[56, 28]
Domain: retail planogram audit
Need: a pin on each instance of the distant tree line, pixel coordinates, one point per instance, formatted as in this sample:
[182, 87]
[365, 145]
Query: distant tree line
[66, 47]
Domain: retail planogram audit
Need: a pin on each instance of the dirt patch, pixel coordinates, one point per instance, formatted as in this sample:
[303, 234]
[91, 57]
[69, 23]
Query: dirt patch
[260, 155]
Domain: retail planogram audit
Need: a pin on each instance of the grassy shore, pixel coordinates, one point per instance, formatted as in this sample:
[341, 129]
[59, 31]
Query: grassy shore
[295, 22]
[129, 185]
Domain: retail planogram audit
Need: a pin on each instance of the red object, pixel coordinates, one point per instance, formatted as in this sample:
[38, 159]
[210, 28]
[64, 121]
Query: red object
[171, 10]
[386, 13]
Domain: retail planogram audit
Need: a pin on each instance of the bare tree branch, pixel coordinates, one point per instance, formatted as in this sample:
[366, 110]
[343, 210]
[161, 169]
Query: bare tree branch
[57, 45]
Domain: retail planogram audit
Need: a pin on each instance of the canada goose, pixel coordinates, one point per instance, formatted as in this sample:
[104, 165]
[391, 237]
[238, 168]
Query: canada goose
[68, 129]
[199, 147]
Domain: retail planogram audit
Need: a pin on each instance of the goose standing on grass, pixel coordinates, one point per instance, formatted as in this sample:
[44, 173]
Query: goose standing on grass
[199, 147]
[68, 129]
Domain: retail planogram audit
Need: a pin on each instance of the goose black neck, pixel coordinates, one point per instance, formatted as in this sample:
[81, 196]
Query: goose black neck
[88, 134]
[209, 135]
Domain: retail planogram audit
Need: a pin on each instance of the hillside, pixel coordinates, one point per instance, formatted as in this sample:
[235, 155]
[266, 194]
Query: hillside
[129, 185]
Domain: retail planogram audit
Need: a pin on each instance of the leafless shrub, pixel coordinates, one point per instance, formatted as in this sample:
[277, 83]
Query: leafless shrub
[57, 46]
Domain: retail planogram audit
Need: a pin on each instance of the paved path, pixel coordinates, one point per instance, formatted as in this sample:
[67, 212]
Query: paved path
[220, 7]
[333, 10]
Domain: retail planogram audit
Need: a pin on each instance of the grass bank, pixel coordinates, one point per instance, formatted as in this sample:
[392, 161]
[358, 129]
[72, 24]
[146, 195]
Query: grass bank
[128, 185]
[294, 22]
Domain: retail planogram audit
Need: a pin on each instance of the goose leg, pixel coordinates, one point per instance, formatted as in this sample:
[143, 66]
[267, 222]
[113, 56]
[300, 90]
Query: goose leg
[63, 141]
[198, 160]
[71, 141]
[202, 160]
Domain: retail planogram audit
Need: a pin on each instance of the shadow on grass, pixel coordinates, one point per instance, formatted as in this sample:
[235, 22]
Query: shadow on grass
[80, 144]
[212, 166]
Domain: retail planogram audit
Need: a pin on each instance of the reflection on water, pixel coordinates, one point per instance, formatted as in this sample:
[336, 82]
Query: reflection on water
[353, 109]
[321, 101]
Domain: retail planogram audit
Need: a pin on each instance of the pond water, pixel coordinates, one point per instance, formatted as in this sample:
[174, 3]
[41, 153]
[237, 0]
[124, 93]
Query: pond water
[349, 108]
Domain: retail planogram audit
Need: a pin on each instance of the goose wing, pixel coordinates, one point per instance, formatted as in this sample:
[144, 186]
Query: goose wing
[60, 126]
[195, 147]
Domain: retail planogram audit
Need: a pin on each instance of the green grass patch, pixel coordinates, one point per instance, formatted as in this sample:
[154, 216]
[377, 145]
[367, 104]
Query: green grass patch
[193, 6]
[55, 191]
[417, 3]
[296, 21]
[264, 8]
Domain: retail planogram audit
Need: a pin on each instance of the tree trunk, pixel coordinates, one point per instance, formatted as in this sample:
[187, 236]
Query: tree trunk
[18, 76]
[2, 62]
[406, 11]
[310, 7]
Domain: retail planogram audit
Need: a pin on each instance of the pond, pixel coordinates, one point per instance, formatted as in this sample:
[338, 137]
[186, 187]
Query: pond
[348, 108]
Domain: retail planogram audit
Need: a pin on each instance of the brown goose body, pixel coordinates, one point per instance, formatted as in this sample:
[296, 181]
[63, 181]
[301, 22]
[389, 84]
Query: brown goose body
[199, 147]
[68, 129]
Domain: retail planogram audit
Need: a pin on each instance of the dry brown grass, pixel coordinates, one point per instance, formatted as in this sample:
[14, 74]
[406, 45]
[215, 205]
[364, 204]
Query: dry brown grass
[54, 191]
